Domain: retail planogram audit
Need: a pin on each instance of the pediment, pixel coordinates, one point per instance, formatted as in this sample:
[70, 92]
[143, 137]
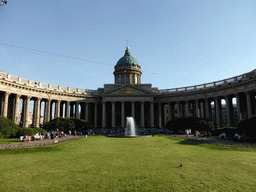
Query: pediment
[128, 90]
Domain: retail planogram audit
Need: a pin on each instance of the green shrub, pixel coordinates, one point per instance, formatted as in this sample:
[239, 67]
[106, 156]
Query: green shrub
[80, 125]
[248, 127]
[230, 131]
[26, 131]
[66, 124]
[193, 123]
[7, 127]
[60, 123]
[40, 130]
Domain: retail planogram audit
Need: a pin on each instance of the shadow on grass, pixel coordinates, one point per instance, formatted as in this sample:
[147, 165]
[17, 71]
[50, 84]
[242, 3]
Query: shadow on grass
[215, 146]
[191, 142]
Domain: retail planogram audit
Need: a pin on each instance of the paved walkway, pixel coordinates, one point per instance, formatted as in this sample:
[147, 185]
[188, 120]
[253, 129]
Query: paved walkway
[39, 143]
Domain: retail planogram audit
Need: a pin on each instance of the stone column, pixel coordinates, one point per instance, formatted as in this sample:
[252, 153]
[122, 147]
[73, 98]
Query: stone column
[228, 108]
[6, 101]
[152, 113]
[16, 113]
[27, 111]
[103, 114]
[238, 108]
[197, 108]
[249, 103]
[95, 114]
[203, 108]
[57, 109]
[113, 115]
[160, 115]
[178, 109]
[67, 109]
[208, 108]
[122, 114]
[77, 115]
[142, 117]
[38, 112]
[87, 111]
[187, 109]
[218, 112]
[169, 112]
[133, 109]
[48, 110]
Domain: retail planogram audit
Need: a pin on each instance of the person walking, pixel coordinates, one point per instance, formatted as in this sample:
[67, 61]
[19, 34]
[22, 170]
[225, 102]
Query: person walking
[187, 133]
[196, 134]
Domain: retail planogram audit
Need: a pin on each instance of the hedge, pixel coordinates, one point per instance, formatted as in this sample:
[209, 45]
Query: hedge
[7, 127]
[29, 131]
[248, 127]
[230, 132]
[193, 123]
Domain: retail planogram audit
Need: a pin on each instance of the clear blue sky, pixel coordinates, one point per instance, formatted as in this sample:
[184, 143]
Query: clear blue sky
[177, 43]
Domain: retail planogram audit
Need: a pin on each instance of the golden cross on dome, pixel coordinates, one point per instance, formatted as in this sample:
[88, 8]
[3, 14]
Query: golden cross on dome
[127, 48]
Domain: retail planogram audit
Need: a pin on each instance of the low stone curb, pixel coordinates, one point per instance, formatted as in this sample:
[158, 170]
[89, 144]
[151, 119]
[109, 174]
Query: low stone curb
[39, 143]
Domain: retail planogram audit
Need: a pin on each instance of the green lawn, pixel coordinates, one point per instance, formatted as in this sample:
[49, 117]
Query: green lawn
[9, 140]
[101, 163]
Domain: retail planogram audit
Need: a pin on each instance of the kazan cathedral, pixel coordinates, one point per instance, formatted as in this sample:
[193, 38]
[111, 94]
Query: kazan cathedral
[226, 101]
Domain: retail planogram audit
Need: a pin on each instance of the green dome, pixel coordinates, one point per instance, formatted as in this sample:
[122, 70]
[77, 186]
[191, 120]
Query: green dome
[127, 58]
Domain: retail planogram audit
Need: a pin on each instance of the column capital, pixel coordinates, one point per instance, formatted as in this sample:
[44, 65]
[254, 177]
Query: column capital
[7, 93]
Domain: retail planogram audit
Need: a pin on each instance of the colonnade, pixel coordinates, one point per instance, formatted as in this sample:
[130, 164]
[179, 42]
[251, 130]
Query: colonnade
[154, 113]
[212, 108]
[17, 108]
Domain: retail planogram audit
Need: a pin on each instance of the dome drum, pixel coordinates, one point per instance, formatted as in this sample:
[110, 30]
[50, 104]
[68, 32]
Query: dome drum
[127, 70]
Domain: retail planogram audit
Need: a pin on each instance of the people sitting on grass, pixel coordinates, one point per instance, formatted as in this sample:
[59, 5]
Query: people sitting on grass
[28, 138]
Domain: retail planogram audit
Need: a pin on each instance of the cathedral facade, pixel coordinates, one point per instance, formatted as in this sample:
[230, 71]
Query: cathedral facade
[109, 106]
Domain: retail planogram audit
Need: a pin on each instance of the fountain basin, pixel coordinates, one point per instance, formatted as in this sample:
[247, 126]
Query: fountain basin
[129, 136]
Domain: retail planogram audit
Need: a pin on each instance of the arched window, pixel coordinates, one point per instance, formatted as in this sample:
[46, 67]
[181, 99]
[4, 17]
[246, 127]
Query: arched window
[127, 79]
[118, 80]
[132, 79]
[122, 79]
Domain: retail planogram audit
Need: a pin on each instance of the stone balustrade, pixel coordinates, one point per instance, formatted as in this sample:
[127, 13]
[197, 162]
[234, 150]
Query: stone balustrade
[223, 82]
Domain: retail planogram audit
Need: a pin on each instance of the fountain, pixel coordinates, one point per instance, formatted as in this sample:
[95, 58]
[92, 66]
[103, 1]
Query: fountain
[130, 129]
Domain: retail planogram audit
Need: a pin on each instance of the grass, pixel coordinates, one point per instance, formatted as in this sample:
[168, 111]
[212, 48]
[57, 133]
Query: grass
[101, 163]
[9, 140]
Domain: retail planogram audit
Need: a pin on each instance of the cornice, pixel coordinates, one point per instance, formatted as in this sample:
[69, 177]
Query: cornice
[41, 90]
